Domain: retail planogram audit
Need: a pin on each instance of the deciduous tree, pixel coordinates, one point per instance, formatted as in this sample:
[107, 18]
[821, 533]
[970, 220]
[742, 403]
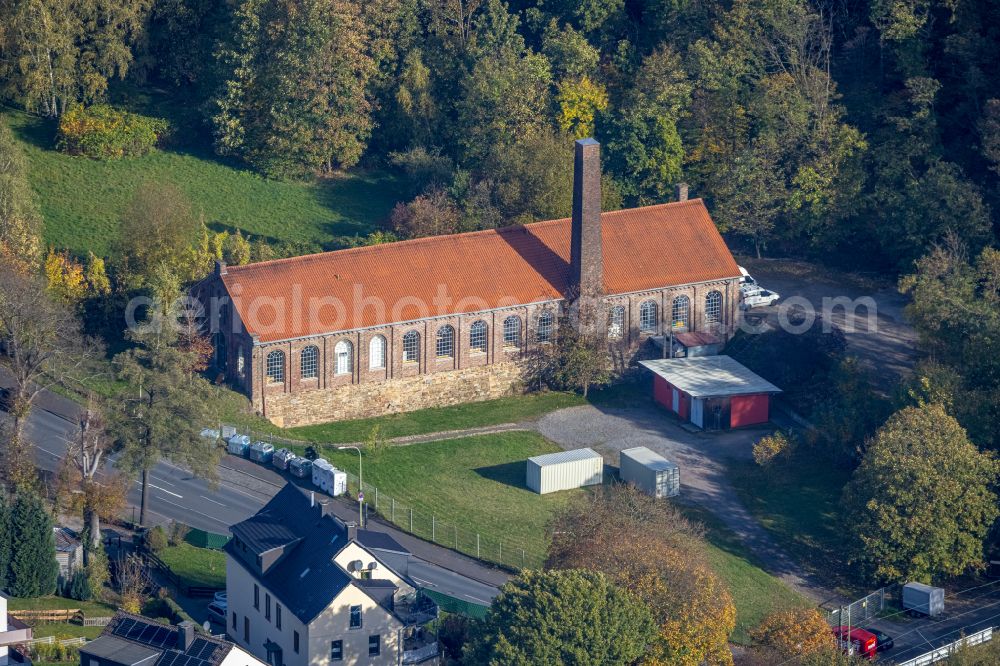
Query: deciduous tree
[561, 617]
[922, 501]
[794, 633]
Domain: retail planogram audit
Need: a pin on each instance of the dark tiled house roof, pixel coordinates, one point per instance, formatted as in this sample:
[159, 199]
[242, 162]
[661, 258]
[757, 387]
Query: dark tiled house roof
[643, 249]
[133, 639]
[304, 576]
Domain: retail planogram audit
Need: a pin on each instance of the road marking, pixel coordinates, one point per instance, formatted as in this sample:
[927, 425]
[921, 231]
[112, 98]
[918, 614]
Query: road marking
[211, 500]
[190, 510]
[172, 485]
[139, 483]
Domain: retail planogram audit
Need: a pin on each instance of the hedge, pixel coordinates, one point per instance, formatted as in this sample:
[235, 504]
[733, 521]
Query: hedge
[104, 132]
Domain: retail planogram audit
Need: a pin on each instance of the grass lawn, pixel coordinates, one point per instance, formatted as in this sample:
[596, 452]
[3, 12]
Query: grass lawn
[60, 603]
[756, 593]
[197, 567]
[456, 417]
[65, 630]
[472, 485]
[82, 199]
[798, 504]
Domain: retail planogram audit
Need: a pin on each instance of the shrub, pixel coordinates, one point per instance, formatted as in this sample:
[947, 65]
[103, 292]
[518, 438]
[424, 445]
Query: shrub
[178, 532]
[772, 447]
[793, 633]
[79, 588]
[156, 539]
[104, 132]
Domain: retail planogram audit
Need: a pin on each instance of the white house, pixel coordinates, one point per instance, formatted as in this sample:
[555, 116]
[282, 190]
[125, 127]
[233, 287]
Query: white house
[305, 588]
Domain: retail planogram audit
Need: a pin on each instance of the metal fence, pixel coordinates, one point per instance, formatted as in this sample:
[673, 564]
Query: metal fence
[864, 609]
[941, 653]
[414, 517]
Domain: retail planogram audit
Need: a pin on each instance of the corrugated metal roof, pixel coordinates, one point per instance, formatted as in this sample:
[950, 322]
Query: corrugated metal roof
[643, 248]
[650, 459]
[710, 376]
[564, 456]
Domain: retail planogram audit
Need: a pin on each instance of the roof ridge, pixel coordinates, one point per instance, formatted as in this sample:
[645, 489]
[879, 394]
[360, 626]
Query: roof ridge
[440, 237]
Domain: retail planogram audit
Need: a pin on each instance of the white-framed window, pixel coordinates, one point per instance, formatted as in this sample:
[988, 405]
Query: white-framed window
[411, 347]
[355, 617]
[445, 342]
[477, 336]
[512, 331]
[616, 322]
[713, 307]
[376, 353]
[680, 311]
[309, 362]
[343, 356]
[374, 645]
[545, 326]
[275, 367]
[647, 316]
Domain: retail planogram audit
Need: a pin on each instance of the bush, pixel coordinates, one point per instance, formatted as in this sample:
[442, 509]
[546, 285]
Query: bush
[156, 539]
[770, 448]
[104, 132]
[178, 532]
[79, 588]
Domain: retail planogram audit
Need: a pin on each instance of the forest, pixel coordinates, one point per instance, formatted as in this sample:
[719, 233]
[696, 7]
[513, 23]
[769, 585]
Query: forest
[857, 132]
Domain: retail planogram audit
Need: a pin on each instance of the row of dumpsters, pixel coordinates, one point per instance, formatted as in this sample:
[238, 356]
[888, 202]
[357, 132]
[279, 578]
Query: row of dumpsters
[323, 475]
[647, 470]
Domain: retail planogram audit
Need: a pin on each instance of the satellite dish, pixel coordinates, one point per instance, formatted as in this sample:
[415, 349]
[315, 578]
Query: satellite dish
[207, 626]
[372, 566]
[358, 565]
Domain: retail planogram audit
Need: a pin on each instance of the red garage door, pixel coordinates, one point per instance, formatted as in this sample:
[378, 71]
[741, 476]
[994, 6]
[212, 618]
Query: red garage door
[662, 392]
[749, 409]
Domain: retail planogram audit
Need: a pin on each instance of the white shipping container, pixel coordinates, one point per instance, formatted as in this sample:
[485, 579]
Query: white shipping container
[650, 472]
[564, 470]
[338, 482]
[923, 599]
[322, 474]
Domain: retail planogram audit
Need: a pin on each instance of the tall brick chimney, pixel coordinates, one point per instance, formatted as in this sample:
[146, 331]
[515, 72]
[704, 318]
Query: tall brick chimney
[586, 260]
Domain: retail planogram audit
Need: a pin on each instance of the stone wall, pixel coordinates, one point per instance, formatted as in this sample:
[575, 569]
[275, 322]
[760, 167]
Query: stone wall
[403, 394]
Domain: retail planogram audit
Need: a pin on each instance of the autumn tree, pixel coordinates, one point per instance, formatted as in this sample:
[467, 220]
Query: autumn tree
[65, 277]
[922, 501]
[54, 53]
[647, 547]
[20, 223]
[295, 99]
[158, 229]
[561, 617]
[163, 418]
[96, 497]
[794, 633]
[43, 345]
[579, 359]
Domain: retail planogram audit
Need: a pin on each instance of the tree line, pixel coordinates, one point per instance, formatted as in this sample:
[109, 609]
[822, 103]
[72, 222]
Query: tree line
[863, 130]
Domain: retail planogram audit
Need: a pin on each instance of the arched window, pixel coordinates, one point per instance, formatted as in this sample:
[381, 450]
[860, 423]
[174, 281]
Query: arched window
[240, 362]
[545, 326]
[445, 342]
[411, 347]
[512, 331]
[647, 316]
[343, 358]
[276, 367]
[221, 356]
[681, 311]
[477, 336]
[309, 362]
[616, 322]
[713, 307]
[376, 353]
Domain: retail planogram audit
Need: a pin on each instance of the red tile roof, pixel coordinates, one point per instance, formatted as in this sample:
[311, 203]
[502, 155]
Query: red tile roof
[644, 249]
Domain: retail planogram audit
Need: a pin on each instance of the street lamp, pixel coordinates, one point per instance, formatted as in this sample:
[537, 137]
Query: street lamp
[361, 486]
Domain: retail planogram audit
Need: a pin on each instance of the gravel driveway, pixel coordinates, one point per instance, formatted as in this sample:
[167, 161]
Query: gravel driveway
[703, 473]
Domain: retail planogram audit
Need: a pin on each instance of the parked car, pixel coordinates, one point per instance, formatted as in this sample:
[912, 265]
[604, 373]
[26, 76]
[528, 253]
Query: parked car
[221, 598]
[217, 613]
[884, 641]
[752, 294]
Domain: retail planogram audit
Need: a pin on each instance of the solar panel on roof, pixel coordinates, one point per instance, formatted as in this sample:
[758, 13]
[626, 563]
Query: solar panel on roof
[201, 649]
[122, 628]
[167, 659]
[148, 632]
[163, 637]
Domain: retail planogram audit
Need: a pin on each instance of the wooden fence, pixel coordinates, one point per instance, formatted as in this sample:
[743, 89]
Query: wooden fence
[61, 615]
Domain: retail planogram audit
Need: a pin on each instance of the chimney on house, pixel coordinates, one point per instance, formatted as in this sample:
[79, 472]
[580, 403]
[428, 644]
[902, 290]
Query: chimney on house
[220, 267]
[185, 635]
[352, 531]
[586, 260]
[682, 191]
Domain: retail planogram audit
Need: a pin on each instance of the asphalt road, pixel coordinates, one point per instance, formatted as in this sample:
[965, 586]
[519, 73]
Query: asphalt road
[243, 488]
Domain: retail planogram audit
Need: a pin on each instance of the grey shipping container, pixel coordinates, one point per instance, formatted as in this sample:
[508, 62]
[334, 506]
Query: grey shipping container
[650, 472]
[923, 599]
[564, 470]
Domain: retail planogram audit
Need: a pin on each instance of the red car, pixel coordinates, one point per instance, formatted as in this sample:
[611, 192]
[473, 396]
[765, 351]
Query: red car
[855, 640]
